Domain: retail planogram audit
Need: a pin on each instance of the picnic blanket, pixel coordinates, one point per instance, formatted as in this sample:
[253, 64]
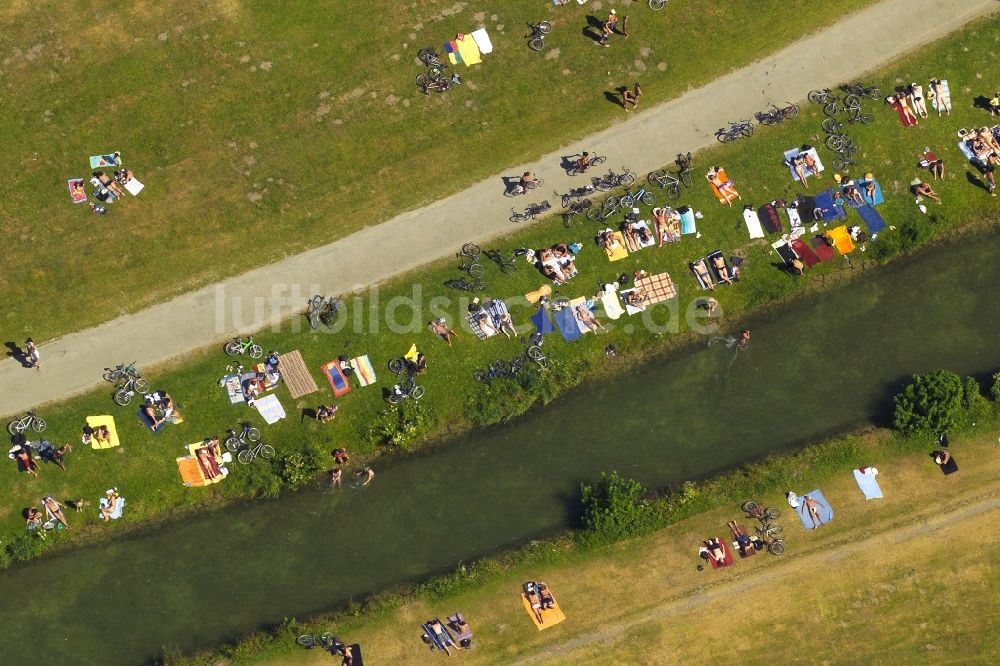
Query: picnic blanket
[658, 287]
[363, 370]
[704, 284]
[482, 41]
[784, 250]
[468, 49]
[76, 191]
[823, 249]
[941, 96]
[335, 375]
[550, 616]
[134, 186]
[270, 408]
[842, 239]
[876, 200]
[806, 253]
[113, 159]
[234, 388]
[827, 204]
[868, 483]
[497, 310]
[631, 309]
[609, 299]
[688, 222]
[723, 198]
[872, 218]
[795, 152]
[542, 321]
[296, 374]
[768, 215]
[727, 558]
[567, 323]
[146, 421]
[477, 329]
[105, 420]
[825, 510]
[618, 251]
[753, 223]
[451, 48]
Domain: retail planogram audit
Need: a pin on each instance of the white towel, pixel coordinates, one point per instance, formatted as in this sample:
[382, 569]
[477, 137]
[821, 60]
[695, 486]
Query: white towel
[134, 187]
[270, 408]
[753, 223]
[483, 41]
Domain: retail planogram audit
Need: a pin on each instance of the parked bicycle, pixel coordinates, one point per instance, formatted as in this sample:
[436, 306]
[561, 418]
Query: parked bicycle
[120, 371]
[764, 514]
[429, 57]
[595, 160]
[30, 420]
[536, 38]
[573, 195]
[124, 393]
[581, 207]
[840, 143]
[842, 163]
[657, 5]
[736, 130]
[530, 213]
[322, 310]
[498, 369]
[851, 104]
[507, 264]
[629, 199]
[533, 350]
[776, 115]
[611, 180]
[239, 346]
[861, 90]
[821, 96]
[666, 180]
[774, 544]
[325, 641]
[405, 390]
[470, 260]
[462, 284]
[246, 436]
[249, 454]
[608, 208]
[433, 80]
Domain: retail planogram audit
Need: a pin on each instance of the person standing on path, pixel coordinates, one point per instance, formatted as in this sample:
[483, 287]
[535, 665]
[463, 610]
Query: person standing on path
[631, 97]
[32, 354]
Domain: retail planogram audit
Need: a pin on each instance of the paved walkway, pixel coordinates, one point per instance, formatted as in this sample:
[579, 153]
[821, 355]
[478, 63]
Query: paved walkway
[841, 52]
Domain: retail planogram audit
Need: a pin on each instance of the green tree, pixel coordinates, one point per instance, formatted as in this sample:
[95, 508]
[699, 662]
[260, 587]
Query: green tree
[615, 509]
[932, 403]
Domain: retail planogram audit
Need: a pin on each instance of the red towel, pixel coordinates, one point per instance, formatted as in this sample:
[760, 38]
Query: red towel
[805, 252]
[824, 251]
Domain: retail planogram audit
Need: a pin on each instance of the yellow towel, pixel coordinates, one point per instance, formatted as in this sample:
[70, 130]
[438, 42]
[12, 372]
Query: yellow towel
[842, 239]
[109, 421]
[551, 616]
[468, 50]
[619, 252]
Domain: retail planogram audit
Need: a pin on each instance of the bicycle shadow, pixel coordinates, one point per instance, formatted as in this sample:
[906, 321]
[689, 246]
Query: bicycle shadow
[509, 183]
[15, 352]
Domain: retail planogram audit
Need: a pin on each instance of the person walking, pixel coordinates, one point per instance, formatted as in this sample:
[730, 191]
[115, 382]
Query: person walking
[605, 36]
[31, 351]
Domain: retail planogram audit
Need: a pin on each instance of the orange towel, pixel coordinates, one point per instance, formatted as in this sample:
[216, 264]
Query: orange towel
[718, 194]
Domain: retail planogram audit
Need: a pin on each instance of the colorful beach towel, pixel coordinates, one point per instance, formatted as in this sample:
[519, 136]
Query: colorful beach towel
[841, 239]
[824, 509]
[113, 159]
[752, 221]
[335, 375]
[451, 48]
[566, 321]
[296, 374]
[791, 153]
[658, 287]
[806, 253]
[109, 421]
[617, 250]
[363, 370]
[550, 616]
[823, 249]
[468, 49]
[483, 41]
[270, 408]
[868, 483]
[234, 389]
[76, 191]
[688, 222]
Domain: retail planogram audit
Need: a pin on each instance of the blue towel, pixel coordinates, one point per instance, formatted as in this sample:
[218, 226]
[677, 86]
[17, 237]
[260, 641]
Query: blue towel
[878, 199]
[119, 507]
[149, 424]
[566, 321]
[688, 225]
[831, 213]
[825, 510]
[872, 219]
[542, 321]
[868, 484]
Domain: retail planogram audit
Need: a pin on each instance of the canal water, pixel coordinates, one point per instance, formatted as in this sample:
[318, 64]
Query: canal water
[819, 366]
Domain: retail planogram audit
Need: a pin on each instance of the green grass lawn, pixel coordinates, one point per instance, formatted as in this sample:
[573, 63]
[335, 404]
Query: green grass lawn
[260, 133]
[144, 466]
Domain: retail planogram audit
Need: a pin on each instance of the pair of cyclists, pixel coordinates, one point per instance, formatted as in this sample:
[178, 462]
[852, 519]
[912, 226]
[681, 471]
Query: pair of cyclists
[529, 182]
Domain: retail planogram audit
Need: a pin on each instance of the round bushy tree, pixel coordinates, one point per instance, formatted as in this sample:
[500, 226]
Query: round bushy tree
[931, 403]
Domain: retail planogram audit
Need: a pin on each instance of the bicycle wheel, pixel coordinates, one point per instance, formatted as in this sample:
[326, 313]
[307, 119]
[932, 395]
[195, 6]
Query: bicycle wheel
[674, 191]
[308, 641]
[111, 377]
[648, 198]
[544, 27]
[790, 112]
[776, 547]
[423, 81]
[816, 96]
[233, 444]
[507, 266]
[407, 383]
[15, 427]
[427, 55]
[597, 161]
[832, 107]
[685, 177]
[233, 348]
[865, 118]
[396, 398]
[626, 201]
[481, 376]
[832, 126]
[123, 397]
[657, 5]
[627, 179]
[535, 353]
[774, 529]
[536, 43]
[417, 393]
[518, 217]
[834, 142]
[852, 102]
[772, 514]
[594, 215]
[140, 385]
[245, 456]
[656, 179]
[435, 71]
[38, 424]
[396, 366]
[256, 351]
[253, 435]
[500, 367]
[476, 270]
[842, 163]
[750, 507]
[746, 129]
[266, 451]
[723, 136]
[472, 250]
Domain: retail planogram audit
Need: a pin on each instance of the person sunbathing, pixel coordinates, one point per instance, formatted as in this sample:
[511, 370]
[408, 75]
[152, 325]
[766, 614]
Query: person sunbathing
[916, 93]
[799, 166]
[986, 136]
[587, 318]
[810, 161]
[628, 233]
[108, 510]
[109, 184]
[852, 192]
[811, 506]
[719, 262]
[545, 596]
[88, 435]
[254, 387]
[608, 240]
[701, 271]
[663, 227]
[922, 189]
[904, 106]
[507, 326]
[208, 463]
[25, 461]
[742, 538]
[102, 435]
[870, 190]
[33, 519]
[716, 551]
[440, 328]
[726, 188]
[978, 146]
[123, 176]
[536, 604]
[440, 637]
[149, 411]
[636, 298]
[55, 508]
[348, 659]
